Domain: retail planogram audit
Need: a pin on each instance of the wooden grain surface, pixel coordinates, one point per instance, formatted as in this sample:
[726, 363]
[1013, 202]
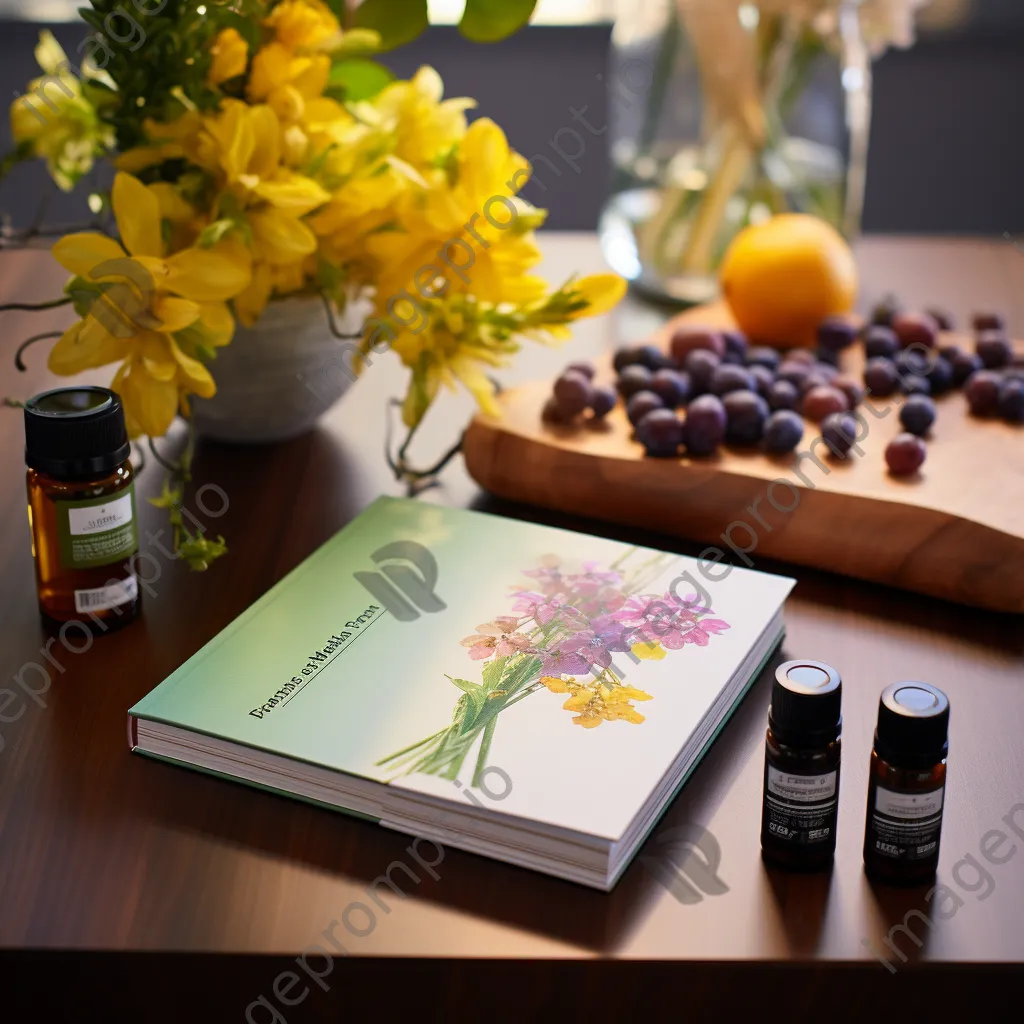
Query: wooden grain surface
[101, 851]
[953, 530]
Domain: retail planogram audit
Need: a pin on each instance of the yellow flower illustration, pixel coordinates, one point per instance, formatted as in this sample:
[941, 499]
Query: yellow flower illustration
[595, 702]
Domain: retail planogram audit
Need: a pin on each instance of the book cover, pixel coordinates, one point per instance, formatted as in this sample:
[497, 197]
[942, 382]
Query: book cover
[549, 675]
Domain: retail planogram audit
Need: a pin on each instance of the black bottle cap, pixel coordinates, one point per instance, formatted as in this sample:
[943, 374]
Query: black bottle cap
[913, 725]
[75, 433]
[806, 703]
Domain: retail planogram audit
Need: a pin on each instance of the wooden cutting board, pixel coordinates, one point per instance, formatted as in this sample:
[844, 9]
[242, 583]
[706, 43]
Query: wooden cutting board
[956, 530]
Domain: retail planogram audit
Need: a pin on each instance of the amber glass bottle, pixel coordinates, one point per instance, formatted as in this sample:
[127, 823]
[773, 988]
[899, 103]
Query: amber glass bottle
[907, 784]
[81, 507]
[801, 767]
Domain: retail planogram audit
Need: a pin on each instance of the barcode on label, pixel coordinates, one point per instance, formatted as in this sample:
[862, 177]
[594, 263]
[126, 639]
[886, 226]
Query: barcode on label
[100, 599]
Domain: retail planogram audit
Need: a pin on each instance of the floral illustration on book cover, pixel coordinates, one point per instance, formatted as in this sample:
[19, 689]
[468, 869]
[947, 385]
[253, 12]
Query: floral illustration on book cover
[574, 634]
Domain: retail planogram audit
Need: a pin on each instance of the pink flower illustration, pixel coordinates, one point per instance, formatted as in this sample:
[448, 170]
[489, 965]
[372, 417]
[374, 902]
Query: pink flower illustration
[499, 637]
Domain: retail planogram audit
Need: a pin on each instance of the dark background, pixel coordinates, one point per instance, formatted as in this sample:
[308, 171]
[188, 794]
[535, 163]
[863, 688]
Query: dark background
[947, 146]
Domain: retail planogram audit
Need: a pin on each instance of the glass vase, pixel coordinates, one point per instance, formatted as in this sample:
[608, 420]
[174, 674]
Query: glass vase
[723, 114]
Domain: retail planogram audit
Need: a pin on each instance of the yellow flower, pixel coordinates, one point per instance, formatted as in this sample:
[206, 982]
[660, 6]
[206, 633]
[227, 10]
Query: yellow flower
[56, 118]
[600, 292]
[149, 309]
[490, 258]
[285, 81]
[304, 25]
[241, 147]
[230, 56]
[425, 127]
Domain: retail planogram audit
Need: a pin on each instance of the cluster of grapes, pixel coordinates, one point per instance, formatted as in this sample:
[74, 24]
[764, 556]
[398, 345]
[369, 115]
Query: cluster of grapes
[734, 393]
[903, 354]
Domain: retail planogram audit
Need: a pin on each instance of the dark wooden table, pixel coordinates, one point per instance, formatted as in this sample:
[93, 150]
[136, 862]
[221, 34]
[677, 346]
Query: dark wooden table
[116, 872]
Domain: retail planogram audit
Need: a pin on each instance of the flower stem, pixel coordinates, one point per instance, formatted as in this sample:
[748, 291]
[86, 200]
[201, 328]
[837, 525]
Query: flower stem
[485, 749]
[18, 361]
[32, 307]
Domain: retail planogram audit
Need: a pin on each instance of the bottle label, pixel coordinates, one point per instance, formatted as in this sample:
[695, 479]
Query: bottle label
[97, 531]
[113, 595]
[800, 808]
[905, 826]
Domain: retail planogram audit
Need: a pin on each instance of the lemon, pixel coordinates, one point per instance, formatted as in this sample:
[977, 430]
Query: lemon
[781, 278]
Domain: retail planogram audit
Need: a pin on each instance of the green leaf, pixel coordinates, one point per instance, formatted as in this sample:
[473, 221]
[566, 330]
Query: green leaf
[488, 21]
[397, 21]
[465, 684]
[213, 233]
[493, 671]
[360, 77]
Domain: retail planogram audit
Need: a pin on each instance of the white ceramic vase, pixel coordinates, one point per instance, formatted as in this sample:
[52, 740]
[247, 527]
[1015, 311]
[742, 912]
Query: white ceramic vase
[277, 378]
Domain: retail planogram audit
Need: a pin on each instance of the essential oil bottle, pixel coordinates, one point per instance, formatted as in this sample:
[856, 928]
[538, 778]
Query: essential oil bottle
[81, 507]
[907, 784]
[801, 767]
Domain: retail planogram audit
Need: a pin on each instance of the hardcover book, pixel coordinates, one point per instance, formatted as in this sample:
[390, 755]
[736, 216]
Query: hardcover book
[523, 692]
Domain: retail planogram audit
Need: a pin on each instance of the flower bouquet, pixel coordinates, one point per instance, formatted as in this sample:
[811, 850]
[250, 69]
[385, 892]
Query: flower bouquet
[562, 637]
[261, 153]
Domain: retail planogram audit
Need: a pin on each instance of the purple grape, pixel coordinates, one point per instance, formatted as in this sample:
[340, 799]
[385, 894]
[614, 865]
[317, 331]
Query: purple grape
[672, 387]
[964, 364]
[940, 376]
[835, 334]
[736, 346]
[660, 432]
[700, 365]
[793, 372]
[746, 413]
[994, 350]
[1011, 400]
[624, 357]
[917, 415]
[783, 431]
[913, 362]
[800, 355]
[814, 380]
[880, 377]
[988, 322]
[704, 429]
[839, 431]
[823, 401]
[982, 391]
[653, 358]
[573, 392]
[583, 369]
[822, 357]
[950, 352]
[763, 379]
[905, 454]
[881, 342]
[944, 320]
[602, 401]
[783, 395]
[764, 356]
[731, 378]
[915, 329]
[552, 412]
[640, 404]
[886, 311]
[851, 388]
[691, 339]
[914, 385]
[634, 378]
